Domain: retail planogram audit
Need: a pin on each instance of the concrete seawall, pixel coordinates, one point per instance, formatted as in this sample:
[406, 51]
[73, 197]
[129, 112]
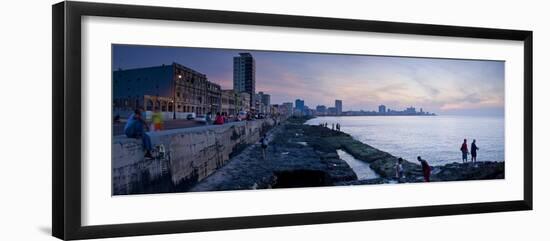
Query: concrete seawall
[190, 155]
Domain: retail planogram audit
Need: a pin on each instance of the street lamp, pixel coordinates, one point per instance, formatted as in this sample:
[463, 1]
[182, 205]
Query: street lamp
[174, 108]
[174, 97]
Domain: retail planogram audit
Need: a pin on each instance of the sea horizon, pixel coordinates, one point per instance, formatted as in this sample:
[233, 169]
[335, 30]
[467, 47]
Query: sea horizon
[434, 138]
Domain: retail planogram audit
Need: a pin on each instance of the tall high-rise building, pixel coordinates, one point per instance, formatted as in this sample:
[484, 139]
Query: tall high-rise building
[382, 109]
[338, 106]
[244, 75]
[300, 105]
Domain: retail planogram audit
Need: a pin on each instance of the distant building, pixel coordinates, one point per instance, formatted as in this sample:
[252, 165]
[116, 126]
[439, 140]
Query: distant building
[265, 98]
[288, 108]
[243, 101]
[410, 110]
[321, 110]
[300, 106]
[171, 88]
[381, 109]
[229, 102]
[331, 111]
[307, 111]
[275, 109]
[338, 106]
[263, 103]
[244, 75]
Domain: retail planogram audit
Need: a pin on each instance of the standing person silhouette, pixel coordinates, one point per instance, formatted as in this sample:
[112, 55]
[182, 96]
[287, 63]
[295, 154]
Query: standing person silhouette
[399, 170]
[473, 150]
[426, 169]
[464, 150]
[263, 143]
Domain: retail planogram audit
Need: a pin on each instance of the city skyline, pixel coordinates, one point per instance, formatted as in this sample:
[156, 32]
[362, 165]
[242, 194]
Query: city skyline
[361, 82]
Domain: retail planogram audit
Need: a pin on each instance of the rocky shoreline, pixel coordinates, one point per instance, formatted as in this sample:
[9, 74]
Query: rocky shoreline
[302, 155]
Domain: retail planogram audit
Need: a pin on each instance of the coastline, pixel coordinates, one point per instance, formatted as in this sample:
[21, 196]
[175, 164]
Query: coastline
[300, 155]
[437, 139]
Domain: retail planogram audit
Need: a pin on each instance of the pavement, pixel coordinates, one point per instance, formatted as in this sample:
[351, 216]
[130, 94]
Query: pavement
[118, 128]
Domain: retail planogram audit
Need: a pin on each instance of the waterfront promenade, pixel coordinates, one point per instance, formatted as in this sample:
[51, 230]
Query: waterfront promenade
[118, 128]
[229, 157]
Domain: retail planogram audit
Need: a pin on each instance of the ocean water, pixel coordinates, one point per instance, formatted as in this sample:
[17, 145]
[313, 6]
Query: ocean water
[362, 169]
[436, 138]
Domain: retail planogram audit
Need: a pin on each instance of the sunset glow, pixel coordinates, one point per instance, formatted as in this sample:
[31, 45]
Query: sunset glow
[443, 86]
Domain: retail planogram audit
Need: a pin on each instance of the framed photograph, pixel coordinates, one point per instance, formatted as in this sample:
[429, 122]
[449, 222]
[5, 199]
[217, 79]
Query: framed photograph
[169, 120]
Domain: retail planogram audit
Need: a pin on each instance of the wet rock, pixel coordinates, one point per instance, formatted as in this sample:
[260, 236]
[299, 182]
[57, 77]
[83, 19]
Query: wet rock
[469, 171]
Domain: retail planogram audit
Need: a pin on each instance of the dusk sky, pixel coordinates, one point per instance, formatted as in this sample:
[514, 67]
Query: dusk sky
[443, 86]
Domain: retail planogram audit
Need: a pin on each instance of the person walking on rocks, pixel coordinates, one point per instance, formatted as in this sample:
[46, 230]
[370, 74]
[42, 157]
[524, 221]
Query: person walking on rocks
[399, 170]
[332, 126]
[473, 151]
[464, 150]
[263, 143]
[426, 169]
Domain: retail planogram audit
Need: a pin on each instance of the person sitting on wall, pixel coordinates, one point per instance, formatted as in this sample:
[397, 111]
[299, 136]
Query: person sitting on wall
[219, 119]
[135, 128]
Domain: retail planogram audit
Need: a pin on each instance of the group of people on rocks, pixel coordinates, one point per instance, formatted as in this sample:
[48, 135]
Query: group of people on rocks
[400, 171]
[334, 126]
[427, 169]
[473, 151]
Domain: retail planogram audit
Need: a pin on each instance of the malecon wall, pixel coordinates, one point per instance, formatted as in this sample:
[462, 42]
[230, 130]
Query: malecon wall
[191, 155]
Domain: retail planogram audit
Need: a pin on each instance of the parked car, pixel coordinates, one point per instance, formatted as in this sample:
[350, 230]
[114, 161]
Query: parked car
[190, 117]
[200, 118]
[241, 116]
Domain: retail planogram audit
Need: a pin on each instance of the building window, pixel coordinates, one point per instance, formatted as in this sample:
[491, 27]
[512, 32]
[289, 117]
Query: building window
[149, 105]
[163, 107]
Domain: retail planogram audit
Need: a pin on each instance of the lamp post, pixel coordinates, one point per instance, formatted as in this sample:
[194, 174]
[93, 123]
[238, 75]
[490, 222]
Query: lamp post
[174, 108]
[174, 98]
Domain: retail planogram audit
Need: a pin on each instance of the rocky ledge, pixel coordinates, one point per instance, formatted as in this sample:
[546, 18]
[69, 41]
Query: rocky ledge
[302, 155]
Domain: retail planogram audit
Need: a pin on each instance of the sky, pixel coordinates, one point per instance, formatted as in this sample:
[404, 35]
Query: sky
[362, 82]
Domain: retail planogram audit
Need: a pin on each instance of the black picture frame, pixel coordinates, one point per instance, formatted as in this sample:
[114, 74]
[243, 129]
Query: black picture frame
[66, 158]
